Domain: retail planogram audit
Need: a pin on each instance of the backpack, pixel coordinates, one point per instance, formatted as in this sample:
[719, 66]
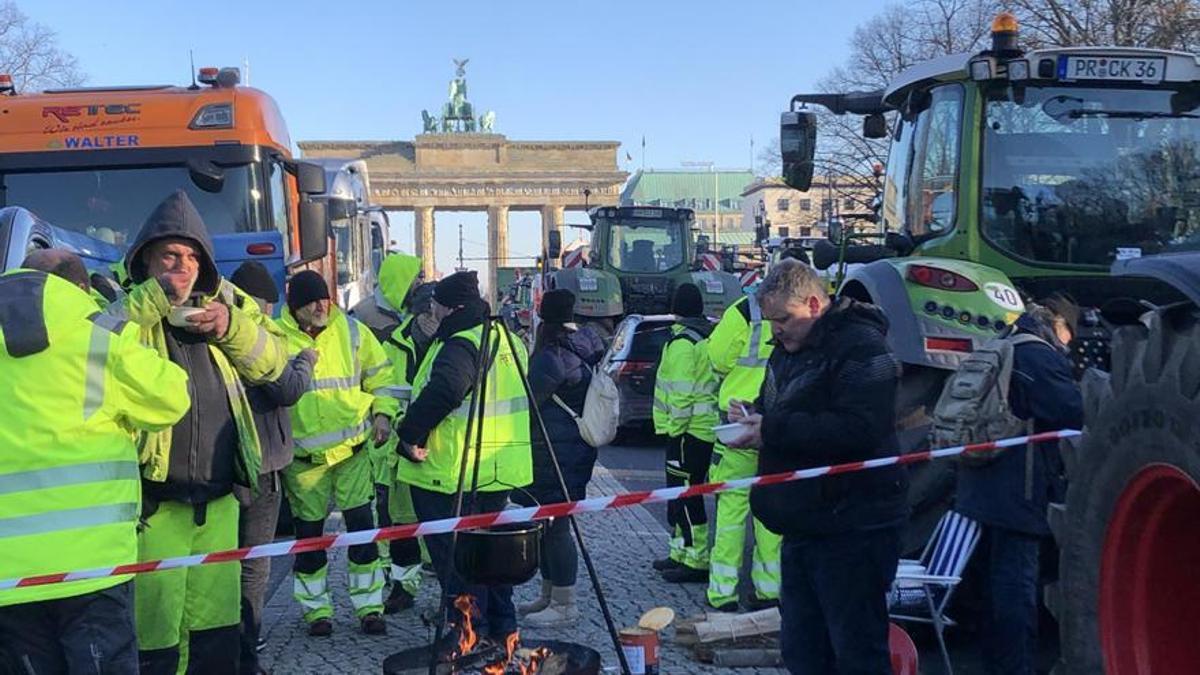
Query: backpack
[601, 408]
[973, 407]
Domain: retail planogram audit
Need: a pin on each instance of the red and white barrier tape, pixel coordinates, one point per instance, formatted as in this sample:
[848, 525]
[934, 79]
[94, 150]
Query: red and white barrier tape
[447, 525]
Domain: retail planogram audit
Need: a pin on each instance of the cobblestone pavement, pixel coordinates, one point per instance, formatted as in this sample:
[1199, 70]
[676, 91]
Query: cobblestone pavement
[622, 543]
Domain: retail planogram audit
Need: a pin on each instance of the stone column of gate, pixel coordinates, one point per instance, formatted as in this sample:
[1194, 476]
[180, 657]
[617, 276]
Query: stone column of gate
[497, 246]
[423, 239]
[552, 219]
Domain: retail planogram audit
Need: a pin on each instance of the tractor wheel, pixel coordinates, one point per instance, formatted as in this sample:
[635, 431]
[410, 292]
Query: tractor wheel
[1127, 599]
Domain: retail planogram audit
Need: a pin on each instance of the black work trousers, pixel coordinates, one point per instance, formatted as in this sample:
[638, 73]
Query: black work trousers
[834, 602]
[88, 634]
[688, 459]
[496, 615]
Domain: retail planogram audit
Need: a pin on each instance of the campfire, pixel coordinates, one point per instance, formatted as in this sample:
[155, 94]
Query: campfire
[473, 655]
[466, 653]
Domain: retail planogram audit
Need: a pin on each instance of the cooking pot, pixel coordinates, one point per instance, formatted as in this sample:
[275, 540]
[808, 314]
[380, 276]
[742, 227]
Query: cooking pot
[503, 555]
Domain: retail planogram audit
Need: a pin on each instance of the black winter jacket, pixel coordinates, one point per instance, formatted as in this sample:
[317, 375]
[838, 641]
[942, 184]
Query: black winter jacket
[562, 368]
[1042, 389]
[270, 403]
[833, 401]
[452, 377]
[204, 444]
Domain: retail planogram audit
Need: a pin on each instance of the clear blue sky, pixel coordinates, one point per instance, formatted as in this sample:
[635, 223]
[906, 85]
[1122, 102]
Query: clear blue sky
[696, 78]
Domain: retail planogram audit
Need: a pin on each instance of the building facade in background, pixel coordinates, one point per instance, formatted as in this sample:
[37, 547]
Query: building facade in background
[791, 213]
[712, 195]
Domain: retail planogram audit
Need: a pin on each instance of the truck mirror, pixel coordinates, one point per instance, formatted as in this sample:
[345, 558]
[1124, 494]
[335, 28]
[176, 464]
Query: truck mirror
[314, 229]
[875, 126]
[762, 233]
[835, 231]
[310, 178]
[553, 244]
[341, 209]
[798, 147]
[702, 244]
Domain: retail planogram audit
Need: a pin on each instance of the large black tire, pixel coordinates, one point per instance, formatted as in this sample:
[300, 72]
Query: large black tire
[1146, 413]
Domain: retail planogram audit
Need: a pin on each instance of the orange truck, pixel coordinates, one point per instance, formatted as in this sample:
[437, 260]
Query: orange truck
[82, 169]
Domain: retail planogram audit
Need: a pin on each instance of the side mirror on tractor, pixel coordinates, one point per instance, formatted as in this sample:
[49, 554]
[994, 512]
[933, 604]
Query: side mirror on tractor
[875, 126]
[553, 244]
[798, 147]
[835, 231]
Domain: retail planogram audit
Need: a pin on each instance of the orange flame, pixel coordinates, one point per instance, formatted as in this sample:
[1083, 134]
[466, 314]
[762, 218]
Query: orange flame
[466, 633]
[535, 661]
[510, 644]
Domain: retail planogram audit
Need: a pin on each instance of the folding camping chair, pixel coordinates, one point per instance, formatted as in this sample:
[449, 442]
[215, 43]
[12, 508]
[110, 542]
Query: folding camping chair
[922, 589]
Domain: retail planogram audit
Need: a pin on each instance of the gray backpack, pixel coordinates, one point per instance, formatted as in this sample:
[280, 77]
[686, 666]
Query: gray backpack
[973, 407]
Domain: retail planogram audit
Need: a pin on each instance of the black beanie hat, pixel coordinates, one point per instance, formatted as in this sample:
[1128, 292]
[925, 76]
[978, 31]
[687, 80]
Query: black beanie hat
[687, 302]
[253, 278]
[306, 287]
[558, 306]
[458, 289]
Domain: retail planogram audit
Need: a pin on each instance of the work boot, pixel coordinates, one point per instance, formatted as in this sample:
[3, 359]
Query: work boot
[373, 624]
[665, 564]
[542, 602]
[398, 600]
[560, 612]
[754, 603]
[685, 575]
[320, 628]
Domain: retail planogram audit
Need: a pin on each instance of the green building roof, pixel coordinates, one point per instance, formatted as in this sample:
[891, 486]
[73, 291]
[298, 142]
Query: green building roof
[686, 189]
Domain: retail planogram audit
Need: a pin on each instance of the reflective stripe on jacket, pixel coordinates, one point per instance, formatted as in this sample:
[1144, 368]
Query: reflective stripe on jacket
[505, 461]
[74, 386]
[738, 349]
[685, 390]
[347, 388]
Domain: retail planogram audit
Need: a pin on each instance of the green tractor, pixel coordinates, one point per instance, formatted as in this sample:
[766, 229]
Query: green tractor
[638, 256]
[1011, 175]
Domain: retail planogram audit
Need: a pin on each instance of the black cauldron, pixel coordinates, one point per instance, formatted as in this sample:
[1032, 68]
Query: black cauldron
[503, 555]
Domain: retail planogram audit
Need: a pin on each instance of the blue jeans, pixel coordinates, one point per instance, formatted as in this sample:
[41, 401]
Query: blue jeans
[497, 615]
[834, 602]
[1010, 631]
[559, 560]
[91, 633]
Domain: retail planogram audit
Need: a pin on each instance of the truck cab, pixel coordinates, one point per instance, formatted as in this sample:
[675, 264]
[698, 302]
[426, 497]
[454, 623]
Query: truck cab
[359, 229]
[91, 164]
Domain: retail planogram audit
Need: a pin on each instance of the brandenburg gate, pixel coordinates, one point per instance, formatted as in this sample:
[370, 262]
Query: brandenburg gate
[458, 166]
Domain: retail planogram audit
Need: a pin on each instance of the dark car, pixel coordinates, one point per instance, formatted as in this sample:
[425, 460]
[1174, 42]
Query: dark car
[636, 348]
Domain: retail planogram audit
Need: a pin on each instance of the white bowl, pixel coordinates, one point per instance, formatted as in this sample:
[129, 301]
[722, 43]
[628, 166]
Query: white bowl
[179, 316]
[728, 433]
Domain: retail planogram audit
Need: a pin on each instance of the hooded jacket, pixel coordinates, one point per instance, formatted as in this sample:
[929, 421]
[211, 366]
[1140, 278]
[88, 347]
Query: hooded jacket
[386, 309]
[215, 443]
[1014, 490]
[832, 401]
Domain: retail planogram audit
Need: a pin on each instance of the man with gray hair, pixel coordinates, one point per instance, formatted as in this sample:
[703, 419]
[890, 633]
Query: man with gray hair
[828, 397]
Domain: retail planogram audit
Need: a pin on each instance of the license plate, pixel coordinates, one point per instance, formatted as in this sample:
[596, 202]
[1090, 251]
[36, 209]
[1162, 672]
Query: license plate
[588, 284]
[1112, 68]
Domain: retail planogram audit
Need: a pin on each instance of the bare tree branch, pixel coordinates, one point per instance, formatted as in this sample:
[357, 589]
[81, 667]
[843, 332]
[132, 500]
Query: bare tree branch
[30, 53]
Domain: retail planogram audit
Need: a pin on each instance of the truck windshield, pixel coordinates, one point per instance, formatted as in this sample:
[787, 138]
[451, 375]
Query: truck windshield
[111, 204]
[646, 245]
[1086, 176]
